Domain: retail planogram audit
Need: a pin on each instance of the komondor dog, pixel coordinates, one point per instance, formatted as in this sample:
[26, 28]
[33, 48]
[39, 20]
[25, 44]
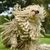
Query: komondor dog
[24, 30]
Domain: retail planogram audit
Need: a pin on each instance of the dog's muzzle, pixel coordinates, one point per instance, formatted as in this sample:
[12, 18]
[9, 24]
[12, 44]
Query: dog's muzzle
[36, 12]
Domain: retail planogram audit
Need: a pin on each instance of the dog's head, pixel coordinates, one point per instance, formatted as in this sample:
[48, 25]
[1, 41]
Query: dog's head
[30, 11]
[36, 11]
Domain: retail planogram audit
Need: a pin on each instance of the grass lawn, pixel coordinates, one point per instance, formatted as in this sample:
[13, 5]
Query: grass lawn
[44, 40]
[2, 46]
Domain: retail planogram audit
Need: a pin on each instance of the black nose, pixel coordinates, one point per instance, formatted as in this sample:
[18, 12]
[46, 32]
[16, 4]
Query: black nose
[36, 12]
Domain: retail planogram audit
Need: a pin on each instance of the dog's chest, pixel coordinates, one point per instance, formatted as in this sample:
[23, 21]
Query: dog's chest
[27, 29]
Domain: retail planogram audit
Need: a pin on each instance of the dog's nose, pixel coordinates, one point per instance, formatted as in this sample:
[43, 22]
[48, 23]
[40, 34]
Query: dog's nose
[36, 12]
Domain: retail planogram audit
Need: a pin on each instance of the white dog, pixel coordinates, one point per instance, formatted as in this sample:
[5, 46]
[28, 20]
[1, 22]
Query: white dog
[24, 30]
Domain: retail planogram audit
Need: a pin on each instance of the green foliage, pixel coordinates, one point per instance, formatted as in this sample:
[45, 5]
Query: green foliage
[2, 20]
[6, 4]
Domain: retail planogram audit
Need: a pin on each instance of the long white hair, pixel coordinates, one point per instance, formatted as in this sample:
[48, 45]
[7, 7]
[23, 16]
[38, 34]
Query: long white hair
[26, 19]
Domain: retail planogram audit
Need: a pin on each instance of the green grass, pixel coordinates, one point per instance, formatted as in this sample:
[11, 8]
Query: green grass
[2, 47]
[47, 35]
[44, 40]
